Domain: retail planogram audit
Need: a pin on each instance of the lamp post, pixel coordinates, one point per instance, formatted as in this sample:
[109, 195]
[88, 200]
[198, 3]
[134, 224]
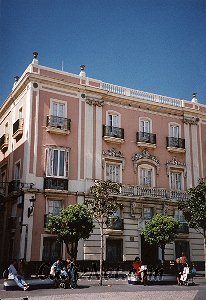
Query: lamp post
[31, 208]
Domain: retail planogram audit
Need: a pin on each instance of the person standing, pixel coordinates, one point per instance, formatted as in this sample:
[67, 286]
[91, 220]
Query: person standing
[13, 274]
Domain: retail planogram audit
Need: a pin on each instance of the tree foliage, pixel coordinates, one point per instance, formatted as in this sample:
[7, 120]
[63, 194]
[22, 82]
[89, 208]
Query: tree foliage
[194, 207]
[72, 224]
[160, 230]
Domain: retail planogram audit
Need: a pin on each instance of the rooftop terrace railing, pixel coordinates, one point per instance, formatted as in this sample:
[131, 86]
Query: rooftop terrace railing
[141, 95]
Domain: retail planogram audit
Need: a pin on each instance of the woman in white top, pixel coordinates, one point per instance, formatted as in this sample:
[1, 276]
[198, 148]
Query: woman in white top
[13, 274]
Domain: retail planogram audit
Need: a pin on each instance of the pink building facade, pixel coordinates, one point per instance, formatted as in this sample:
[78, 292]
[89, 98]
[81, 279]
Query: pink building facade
[61, 131]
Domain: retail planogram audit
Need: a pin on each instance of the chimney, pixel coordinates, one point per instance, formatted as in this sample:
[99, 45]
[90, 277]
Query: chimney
[82, 72]
[35, 58]
[194, 97]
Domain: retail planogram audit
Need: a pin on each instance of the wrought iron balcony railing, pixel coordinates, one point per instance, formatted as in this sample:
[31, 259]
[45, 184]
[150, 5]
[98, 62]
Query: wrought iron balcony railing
[14, 186]
[117, 224]
[56, 183]
[58, 122]
[144, 137]
[183, 229]
[18, 128]
[114, 132]
[4, 142]
[175, 142]
[153, 192]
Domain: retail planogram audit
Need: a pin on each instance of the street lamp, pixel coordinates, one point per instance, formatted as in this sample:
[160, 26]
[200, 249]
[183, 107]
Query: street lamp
[31, 208]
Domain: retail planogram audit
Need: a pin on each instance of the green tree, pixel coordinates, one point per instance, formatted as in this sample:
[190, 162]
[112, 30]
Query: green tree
[72, 224]
[194, 210]
[160, 230]
[103, 205]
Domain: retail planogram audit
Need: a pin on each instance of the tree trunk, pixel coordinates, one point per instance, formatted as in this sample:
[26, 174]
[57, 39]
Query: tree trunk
[101, 253]
[163, 253]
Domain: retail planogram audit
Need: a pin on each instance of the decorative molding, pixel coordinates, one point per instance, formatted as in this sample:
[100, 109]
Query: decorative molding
[113, 155]
[174, 163]
[94, 101]
[145, 156]
[190, 120]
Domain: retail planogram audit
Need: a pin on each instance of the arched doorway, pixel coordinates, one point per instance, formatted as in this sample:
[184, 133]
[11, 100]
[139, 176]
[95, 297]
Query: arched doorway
[149, 253]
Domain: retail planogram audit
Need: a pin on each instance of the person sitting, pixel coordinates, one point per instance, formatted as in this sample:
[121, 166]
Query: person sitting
[56, 268]
[183, 258]
[13, 274]
[137, 263]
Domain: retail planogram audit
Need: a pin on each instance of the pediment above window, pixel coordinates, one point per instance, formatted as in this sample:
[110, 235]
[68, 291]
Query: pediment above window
[175, 164]
[113, 155]
[145, 157]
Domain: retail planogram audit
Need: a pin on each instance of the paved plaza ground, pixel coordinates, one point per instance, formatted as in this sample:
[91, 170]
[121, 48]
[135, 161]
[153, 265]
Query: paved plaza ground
[114, 290]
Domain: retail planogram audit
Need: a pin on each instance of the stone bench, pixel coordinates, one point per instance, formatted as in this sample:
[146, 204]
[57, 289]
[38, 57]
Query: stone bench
[34, 283]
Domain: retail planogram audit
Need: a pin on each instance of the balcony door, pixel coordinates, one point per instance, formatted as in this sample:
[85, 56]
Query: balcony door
[114, 250]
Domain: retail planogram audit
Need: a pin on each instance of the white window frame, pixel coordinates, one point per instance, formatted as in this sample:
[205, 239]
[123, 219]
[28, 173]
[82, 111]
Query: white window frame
[50, 160]
[114, 115]
[114, 164]
[180, 174]
[172, 129]
[49, 206]
[145, 125]
[149, 168]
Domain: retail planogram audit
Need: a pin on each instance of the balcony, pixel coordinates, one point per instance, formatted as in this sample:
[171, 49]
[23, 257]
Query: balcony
[4, 142]
[12, 223]
[113, 134]
[18, 129]
[14, 186]
[144, 139]
[183, 229]
[175, 144]
[53, 183]
[58, 125]
[153, 193]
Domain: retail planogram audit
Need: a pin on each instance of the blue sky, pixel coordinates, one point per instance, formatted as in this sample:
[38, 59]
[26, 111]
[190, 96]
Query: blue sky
[155, 46]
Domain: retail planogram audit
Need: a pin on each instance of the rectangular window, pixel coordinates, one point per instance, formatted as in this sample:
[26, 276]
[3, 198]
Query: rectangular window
[17, 171]
[54, 206]
[52, 249]
[145, 126]
[57, 162]
[174, 131]
[147, 213]
[113, 172]
[113, 120]
[58, 115]
[179, 216]
[146, 177]
[176, 180]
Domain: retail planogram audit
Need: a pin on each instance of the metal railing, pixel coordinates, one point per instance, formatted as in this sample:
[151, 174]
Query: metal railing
[18, 125]
[56, 183]
[146, 137]
[59, 122]
[111, 131]
[175, 142]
